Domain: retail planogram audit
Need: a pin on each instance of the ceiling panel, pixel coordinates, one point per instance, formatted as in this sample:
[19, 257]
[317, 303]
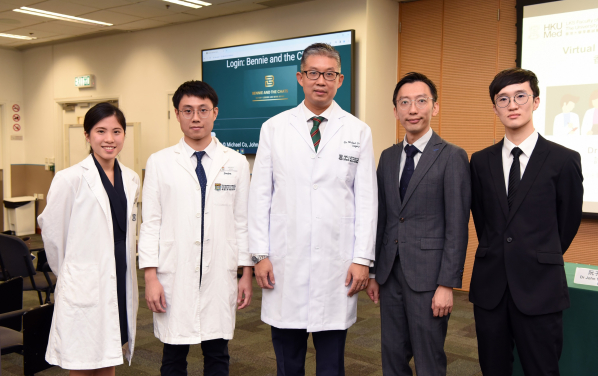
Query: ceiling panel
[63, 27]
[64, 7]
[143, 24]
[38, 33]
[104, 4]
[177, 18]
[224, 9]
[114, 18]
[146, 9]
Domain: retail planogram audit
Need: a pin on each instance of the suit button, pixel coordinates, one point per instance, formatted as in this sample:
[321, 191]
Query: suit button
[396, 241]
[509, 239]
[402, 220]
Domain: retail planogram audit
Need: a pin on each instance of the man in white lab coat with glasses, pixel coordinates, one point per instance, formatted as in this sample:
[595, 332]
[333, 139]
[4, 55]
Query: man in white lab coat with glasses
[312, 219]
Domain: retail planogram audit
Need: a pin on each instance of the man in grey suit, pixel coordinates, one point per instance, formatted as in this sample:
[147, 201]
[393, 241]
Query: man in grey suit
[424, 197]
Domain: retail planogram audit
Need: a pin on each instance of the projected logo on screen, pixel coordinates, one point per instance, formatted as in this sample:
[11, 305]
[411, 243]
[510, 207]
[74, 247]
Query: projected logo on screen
[269, 81]
[261, 90]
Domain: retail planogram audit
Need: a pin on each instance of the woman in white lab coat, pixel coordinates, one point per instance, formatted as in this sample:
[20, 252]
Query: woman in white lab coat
[88, 229]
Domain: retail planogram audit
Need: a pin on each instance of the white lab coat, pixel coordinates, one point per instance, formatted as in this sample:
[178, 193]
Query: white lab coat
[312, 213]
[588, 121]
[561, 129]
[170, 240]
[78, 238]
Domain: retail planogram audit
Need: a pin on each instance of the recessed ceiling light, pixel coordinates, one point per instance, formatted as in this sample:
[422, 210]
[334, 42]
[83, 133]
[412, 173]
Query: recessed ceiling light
[59, 16]
[183, 3]
[17, 36]
[199, 2]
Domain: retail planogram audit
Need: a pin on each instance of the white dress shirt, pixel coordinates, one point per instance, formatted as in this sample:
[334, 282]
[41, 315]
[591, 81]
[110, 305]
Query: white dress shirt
[308, 115]
[206, 160]
[527, 147]
[420, 144]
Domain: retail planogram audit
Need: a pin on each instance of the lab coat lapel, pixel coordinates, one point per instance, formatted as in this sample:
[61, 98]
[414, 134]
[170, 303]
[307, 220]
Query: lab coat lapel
[130, 189]
[185, 160]
[296, 119]
[334, 124]
[429, 155]
[220, 159]
[92, 177]
[497, 172]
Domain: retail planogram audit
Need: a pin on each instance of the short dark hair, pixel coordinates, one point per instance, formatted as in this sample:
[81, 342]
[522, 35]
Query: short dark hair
[322, 49]
[511, 77]
[569, 98]
[197, 89]
[410, 78]
[100, 112]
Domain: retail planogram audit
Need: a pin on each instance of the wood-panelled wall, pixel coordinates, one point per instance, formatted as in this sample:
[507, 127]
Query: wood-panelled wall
[461, 45]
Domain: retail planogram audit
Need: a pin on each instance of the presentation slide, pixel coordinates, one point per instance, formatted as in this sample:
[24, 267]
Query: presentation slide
[257, 81]
[559, 45]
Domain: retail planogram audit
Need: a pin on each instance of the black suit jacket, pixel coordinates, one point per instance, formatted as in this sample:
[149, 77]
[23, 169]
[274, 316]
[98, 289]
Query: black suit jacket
[523, 248]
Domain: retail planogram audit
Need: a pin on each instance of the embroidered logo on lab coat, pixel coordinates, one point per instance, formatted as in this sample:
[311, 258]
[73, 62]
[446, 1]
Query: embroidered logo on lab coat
[348, 158]
[217, 186]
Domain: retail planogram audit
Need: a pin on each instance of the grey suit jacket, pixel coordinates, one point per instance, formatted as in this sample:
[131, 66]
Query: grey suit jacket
[429, 228]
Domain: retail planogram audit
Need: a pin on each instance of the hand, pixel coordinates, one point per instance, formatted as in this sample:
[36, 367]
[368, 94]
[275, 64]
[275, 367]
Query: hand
[442, 302]
[245, 289]
[373, 290]
[360, 274]
[263, 271]
[154, 292]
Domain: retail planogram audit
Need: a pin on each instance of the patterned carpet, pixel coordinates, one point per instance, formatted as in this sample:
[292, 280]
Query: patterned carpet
[252, 353]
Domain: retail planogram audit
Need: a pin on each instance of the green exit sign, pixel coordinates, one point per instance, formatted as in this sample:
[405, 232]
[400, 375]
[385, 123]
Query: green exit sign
[88, 80]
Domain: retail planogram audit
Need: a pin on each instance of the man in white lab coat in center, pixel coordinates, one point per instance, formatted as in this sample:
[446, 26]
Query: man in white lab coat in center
[312, 219]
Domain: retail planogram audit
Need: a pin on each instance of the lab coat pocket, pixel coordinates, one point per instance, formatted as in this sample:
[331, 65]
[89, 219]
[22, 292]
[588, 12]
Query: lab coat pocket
[167, 257]
[278, 235]
[232, 255]
[347, 238]
[81, 285]
[347, 163]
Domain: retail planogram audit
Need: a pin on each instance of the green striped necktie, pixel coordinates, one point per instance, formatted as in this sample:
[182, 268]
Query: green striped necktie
[315, 130]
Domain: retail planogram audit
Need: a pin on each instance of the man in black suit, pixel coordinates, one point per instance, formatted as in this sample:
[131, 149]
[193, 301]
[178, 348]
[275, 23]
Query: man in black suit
[527, 197]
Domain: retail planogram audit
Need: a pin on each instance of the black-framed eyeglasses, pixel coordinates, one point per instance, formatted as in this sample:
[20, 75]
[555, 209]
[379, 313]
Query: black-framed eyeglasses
[519, 98]
[420, 103]
[202, 112]
[328, 76]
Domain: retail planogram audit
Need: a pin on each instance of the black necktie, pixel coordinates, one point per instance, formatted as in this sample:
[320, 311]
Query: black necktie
[514, 175]
[203, 182]
[410, 151]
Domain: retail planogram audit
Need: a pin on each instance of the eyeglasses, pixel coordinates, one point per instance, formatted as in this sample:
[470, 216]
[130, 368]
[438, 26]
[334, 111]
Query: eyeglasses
[202, 112]
[328, 76]
[520, 98]
[420, 103]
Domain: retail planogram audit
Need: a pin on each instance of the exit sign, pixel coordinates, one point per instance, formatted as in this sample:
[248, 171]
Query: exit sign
[88, 80]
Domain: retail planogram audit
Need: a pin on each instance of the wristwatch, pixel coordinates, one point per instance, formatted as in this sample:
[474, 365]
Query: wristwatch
[257, 258]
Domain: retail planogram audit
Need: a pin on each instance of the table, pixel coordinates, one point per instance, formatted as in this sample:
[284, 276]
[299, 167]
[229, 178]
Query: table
[580, 329]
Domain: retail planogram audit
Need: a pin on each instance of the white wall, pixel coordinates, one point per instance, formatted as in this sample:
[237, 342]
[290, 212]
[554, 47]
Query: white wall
[141, 68]
[11, 92]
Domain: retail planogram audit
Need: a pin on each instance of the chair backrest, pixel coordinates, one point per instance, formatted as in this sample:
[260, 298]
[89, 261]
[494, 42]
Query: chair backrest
[15, 256]
[11, 296]
[36, 332]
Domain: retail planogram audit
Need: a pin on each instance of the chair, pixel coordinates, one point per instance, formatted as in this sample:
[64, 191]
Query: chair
[36, 323]
[15, 261]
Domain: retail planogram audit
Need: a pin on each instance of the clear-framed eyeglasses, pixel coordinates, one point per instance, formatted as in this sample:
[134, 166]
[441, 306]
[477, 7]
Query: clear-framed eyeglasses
[328, 76]
[519, 98]
[420, 103]
[202, 112]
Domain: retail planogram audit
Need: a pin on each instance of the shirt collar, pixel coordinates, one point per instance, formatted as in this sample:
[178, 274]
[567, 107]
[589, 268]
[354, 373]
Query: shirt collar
[527, 146]
[210, 149]
[421, 143]
[308, 114]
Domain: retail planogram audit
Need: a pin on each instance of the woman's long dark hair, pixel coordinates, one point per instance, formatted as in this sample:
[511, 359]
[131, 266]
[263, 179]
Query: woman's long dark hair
[98, 113]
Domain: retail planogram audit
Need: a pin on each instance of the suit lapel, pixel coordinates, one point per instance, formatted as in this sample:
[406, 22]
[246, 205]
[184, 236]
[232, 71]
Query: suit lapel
[334, 124]
[220, 158]
[396, 170]
[532, 169]
[498, 176]
[185, 161]
[92, 177]
[429, 155]
[297, 122]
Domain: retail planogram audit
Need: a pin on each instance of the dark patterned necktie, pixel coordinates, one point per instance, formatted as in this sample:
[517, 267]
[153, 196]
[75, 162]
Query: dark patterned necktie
[411, 151]
[203, 182]
[514, 175]
[315, 130]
